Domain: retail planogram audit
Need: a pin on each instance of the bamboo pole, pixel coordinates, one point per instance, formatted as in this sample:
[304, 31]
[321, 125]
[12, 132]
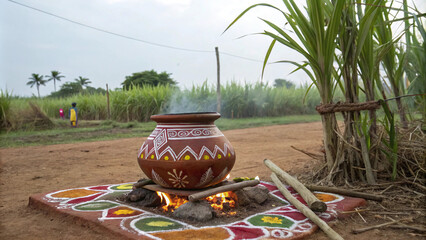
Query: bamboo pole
[226, 188]
[312, 201]
[305, 210]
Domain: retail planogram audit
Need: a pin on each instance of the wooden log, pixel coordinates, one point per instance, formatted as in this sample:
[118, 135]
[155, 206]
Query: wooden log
[174, 191]
[313, 202]
[305, 210]
[142, 183]
[346, 192]
[225, 188]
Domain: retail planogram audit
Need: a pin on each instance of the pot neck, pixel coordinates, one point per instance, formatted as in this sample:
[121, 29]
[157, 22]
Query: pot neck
[186, 118]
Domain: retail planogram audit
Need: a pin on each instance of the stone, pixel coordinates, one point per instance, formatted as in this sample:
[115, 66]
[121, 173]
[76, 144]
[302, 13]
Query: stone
[249, 195]
[136, 195]
[143, 197]
[242, 198]
[151, 199]
[256, 194]
[195, 211]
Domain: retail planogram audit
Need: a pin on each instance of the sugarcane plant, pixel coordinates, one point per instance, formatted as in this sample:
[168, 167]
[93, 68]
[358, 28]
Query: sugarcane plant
[416, 57]
[345, 44]
[316, 32]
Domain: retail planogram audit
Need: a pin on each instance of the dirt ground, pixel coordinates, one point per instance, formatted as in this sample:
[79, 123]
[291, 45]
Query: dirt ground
[29, 170]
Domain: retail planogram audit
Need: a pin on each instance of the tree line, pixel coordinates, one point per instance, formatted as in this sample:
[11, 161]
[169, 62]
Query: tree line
[69, 88]
[140, 79]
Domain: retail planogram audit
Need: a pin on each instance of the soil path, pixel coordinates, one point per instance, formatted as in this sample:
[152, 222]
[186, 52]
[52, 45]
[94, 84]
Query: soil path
[30, 170]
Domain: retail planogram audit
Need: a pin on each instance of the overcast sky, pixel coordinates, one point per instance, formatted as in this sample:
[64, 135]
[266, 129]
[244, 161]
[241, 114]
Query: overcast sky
[35, 42]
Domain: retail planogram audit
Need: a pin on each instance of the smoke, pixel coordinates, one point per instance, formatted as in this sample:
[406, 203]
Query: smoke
[187, 102]
[242, 101]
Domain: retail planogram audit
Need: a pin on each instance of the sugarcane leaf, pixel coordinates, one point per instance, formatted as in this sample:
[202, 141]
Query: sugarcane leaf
[248, 9]
[268, 53]
[300, 66]
[307, 91]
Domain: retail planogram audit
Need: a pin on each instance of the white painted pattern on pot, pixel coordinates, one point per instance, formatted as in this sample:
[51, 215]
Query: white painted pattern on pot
[144, 152]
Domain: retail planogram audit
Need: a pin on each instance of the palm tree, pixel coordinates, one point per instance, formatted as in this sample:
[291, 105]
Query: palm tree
[84, 82]
[55, 76]
[37, 80]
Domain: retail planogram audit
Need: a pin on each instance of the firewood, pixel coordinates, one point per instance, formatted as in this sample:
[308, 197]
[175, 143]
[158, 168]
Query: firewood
[225, 188]
[305, 210]
[142, 183]
[414, 228]
[346, 192]
[361, 230]
[313, 202]
[312, 155]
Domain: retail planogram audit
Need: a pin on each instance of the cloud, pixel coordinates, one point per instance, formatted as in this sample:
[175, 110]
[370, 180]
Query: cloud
[119, 1]
[174, 3]
[178, 6]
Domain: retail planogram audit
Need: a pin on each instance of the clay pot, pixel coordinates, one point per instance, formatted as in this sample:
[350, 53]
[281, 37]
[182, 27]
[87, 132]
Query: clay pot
[186, 151]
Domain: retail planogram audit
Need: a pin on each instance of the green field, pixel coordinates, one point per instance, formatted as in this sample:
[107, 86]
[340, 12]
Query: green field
[108, 130]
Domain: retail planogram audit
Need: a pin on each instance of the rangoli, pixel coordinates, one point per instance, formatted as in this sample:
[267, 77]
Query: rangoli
[89, 204]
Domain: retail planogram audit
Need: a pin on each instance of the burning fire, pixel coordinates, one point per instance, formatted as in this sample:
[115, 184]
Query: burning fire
[221, 201]
[171, 203]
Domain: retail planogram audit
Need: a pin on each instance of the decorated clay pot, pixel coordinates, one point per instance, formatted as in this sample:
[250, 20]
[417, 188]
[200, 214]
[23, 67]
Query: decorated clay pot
[186, 151]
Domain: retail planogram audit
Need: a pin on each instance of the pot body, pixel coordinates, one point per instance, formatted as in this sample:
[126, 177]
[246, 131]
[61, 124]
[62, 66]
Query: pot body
[186, 151]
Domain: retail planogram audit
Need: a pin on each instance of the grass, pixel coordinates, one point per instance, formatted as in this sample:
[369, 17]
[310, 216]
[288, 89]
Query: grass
[139, 103]
[229, 124]
[89, 131]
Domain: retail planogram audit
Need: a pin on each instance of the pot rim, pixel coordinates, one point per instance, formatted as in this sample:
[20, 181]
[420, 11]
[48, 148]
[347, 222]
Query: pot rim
[192, 117]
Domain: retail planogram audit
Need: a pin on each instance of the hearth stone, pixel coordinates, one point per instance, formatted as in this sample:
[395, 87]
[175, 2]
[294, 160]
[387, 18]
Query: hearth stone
[144, 198]
[248, 195]
[137, 194]
[195, 211]
[242, 198]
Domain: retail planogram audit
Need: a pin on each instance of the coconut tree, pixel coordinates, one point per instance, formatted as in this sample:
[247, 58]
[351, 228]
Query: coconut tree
[84, 82]
[37, 80]
[55, 76]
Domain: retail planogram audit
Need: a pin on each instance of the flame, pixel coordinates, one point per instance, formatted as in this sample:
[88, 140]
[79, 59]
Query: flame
[228, 176]
[217, 201]
[171, 203]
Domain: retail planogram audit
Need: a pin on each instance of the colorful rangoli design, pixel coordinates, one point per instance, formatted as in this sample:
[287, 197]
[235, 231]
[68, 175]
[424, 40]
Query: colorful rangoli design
[281, 222]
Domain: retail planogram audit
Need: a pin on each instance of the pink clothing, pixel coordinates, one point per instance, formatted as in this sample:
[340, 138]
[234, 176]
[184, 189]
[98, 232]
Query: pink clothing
[61, 113]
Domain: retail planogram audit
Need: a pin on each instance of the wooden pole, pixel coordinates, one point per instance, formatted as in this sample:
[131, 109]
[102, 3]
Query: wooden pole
[108, 108]
[312, 201]
[305, 210]
[219, 97]
[345, 192]
[142, 183]
[225, 188]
